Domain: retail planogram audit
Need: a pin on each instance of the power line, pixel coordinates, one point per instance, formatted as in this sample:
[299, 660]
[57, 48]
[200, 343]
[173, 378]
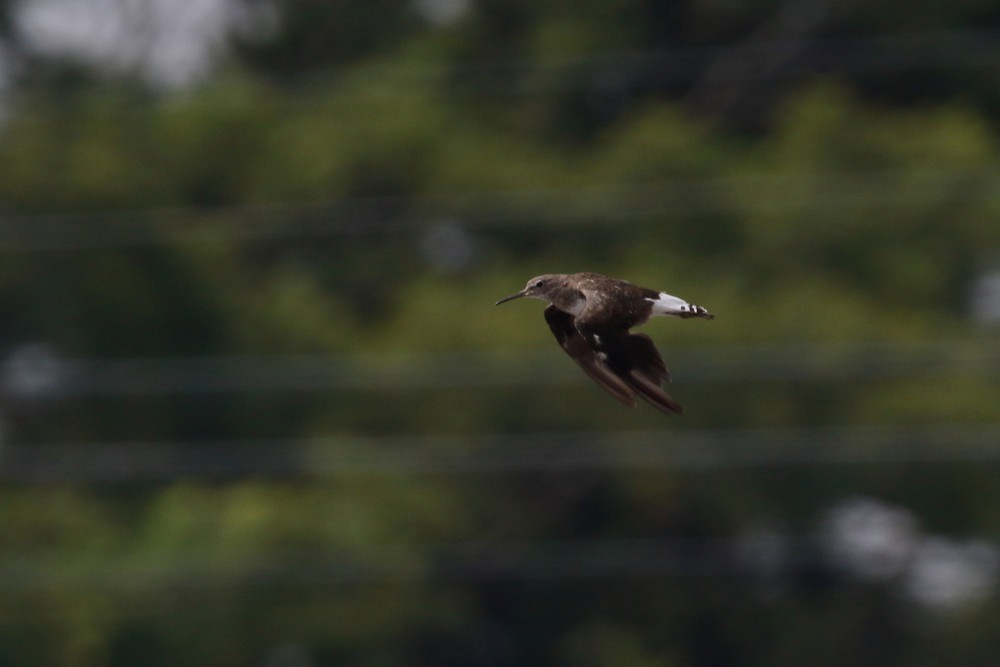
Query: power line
[474, 561]
[36, 372]
[613, 73]
[678, 66]
[694, 450]
[764, 557]
[598, 206]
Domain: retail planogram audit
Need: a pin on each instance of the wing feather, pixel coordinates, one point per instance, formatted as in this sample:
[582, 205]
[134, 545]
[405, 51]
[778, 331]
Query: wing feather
[641, 367]
[623, 364]
[577, 347]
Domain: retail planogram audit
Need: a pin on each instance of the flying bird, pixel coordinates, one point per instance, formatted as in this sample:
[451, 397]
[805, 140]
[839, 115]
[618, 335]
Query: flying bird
[591, 314]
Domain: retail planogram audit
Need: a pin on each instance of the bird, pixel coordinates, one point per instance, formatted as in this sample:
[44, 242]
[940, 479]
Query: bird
[591, 315]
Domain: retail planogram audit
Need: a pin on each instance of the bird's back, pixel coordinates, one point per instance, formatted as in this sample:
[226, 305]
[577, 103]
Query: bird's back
[613, 303]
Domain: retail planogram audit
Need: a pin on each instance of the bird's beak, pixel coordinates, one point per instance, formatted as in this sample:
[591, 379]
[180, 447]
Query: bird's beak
[511, 297]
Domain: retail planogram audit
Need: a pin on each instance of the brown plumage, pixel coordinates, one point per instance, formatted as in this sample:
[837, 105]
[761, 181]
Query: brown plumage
[591, 314]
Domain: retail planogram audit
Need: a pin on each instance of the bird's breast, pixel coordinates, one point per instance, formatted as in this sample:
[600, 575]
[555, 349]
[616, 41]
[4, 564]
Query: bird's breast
[573, 306]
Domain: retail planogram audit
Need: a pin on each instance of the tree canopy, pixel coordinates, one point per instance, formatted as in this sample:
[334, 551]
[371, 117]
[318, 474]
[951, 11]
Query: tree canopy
[257, 405]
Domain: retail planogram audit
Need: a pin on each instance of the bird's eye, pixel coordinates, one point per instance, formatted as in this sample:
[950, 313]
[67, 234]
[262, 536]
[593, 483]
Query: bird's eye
[540, 283]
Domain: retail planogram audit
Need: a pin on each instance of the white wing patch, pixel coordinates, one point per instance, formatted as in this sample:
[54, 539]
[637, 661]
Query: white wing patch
[672, 306]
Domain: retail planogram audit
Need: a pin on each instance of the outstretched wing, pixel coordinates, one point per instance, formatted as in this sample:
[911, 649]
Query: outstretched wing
[583, 354]
[634, 358]
[624, 364]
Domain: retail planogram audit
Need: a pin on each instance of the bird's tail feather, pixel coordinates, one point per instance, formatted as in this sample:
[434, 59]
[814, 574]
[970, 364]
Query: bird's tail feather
[672, 306]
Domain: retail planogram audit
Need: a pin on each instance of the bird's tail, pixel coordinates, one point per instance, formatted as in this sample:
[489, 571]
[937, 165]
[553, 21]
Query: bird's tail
[672, 306]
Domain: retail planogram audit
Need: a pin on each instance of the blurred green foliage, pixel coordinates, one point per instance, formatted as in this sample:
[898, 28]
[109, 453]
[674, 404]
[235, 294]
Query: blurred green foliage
[292, 209]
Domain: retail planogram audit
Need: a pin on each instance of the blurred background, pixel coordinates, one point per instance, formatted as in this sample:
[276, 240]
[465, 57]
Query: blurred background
[257, 406]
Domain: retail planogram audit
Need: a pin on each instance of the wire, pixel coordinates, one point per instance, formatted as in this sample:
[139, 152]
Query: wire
[598, 206]
[694, 450]
[39, 374]
[512, 77]
[759, 553]
[474, 561]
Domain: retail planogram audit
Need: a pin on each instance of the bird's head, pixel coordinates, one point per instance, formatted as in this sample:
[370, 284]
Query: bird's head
[539, 287]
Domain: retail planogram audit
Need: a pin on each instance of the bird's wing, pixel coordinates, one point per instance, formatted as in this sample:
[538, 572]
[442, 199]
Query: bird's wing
[580, 350]
[643, 358]
[632, 358]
